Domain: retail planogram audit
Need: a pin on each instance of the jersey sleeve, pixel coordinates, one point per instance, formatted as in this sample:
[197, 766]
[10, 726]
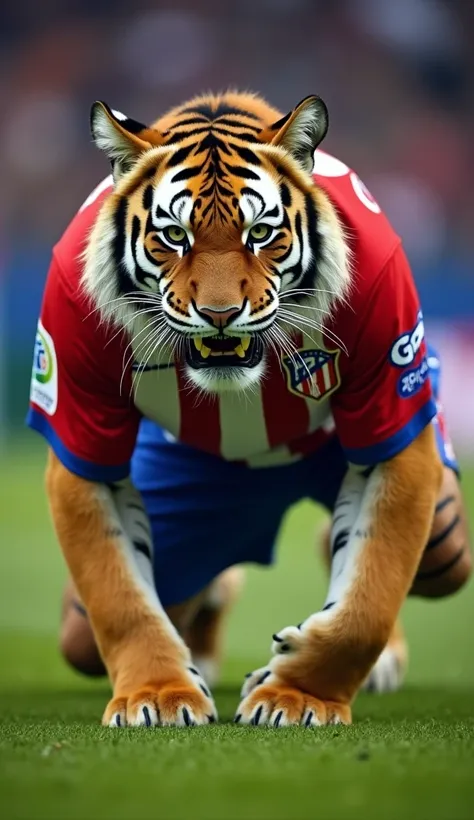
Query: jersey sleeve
[385, 399]
[79, 401]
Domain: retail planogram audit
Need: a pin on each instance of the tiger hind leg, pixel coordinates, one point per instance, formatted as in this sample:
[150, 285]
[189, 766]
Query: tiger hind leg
[389, 671]
[206, 633]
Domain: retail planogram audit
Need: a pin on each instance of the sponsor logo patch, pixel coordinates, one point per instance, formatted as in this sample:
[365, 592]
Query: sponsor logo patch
[411, 381]
[44, 377]
[404, 349]
[312, 374]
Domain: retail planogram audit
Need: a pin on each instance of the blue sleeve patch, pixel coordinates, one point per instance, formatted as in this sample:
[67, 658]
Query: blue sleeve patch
[79, 466]
[412, 380]
[393, 445]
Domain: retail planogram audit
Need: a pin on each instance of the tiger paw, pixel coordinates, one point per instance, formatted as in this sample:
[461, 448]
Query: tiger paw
[388, 672]
[390, 668]
[274, 703]
[184, 702]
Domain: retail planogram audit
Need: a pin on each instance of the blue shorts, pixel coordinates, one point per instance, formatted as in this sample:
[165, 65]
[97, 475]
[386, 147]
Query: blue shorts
[196, 501]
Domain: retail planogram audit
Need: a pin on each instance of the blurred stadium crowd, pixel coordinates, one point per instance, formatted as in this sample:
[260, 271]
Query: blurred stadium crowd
[397, 76]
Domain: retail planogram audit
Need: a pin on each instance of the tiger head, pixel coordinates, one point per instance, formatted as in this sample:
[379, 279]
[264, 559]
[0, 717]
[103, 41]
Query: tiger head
[215, 242]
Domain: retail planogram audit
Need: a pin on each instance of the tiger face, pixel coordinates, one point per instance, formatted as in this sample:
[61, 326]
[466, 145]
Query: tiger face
[215, 241]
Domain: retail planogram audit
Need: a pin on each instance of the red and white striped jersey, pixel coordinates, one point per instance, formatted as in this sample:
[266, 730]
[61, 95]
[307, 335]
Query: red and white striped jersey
[89, 393]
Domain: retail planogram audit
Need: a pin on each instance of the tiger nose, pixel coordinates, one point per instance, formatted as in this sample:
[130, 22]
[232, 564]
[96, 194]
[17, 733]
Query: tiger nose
[220, 317]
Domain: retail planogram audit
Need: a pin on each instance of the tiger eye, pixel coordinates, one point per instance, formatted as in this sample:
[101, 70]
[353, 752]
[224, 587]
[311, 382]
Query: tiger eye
[175, 234]
[260, 232]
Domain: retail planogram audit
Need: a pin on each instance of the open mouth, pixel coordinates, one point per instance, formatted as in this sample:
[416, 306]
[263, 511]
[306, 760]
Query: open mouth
[224, 351]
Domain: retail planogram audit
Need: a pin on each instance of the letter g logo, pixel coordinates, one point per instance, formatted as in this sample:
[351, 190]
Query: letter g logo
[405, 348]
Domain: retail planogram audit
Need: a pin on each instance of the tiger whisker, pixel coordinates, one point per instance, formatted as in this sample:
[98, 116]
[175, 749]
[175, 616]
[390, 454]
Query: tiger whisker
[124, 298]
[294, 318]
[307, 291]
[155, 325]
[296, 352]
[155, 344]
[153, 328]
[128, 322]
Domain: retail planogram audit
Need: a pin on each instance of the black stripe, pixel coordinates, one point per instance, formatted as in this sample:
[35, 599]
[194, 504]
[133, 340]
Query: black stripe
[238, 171]
[255, 194]
[297, 270]
[140, 274]
[140, 546]
[184, 193]
[150, 172]
[285, 255]
[328, 606]
[434, 542]
[285, 194]
[222, 190]
[180, 155]
[193, 121]
[277, 238]
[223, 109]
[204, 109]
[340, 541]
[187, 173]
[435, 573]
[160, 213]
[235, 124]
[177, 136]
[226, 207]
[206, 210]
[135, 233]
[311, 227]
[272, 212]
[118, 246]
[444, 503]
[147, 197]
[240, 135]
[246, 154]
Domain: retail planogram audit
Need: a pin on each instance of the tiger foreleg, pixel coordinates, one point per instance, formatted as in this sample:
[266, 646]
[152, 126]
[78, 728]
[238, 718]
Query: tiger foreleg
[149, 666]
[319, 666]
[205, 634]
[389, 670]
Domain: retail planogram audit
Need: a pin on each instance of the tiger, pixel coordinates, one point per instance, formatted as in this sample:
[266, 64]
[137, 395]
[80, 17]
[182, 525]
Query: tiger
[229, 325]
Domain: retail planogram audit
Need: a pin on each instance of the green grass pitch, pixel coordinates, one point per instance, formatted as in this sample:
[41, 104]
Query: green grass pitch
[407, 755]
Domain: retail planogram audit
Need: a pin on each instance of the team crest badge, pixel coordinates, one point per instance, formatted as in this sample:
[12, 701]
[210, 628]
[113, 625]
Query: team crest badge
[313, 374]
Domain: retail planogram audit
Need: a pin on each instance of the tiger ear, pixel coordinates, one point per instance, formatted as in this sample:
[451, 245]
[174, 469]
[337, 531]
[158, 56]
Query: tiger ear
[301, 131]
[122, 138]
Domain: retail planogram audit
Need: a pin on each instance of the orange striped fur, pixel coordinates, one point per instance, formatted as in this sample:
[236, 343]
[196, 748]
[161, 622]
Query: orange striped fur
[145, 658]
[212, 144]
[333, 652]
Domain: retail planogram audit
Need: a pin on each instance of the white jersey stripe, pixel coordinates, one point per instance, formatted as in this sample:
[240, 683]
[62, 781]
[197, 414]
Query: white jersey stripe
[243, 427]
[157, 395]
